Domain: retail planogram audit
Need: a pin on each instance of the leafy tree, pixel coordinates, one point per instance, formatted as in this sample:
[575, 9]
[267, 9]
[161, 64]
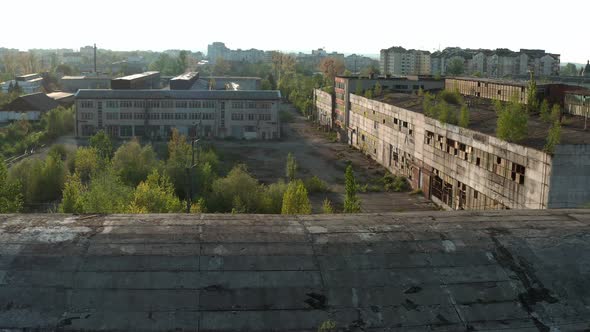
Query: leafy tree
[11, 199]
[273, 197]
[41, 180]
[331, 67]
[377, 90]
[446, 113]
[464, 117]
[512, 122]
[553, 137]
[86, 162]
[347, 73]
[221, 67]
[428, 104]
[103, 145]
[72, 195]
[106, 194]
[352, 203]
[295, 199]
[291, 167]
[369, 94]
[359, 89]
[544, 111]
[532, 102]
[238, 183]
[327, 206]
[455, 67]
[555, 113]
[58, 121]
[133, 163]
[569, 69]
[155, 195]
[179, 157]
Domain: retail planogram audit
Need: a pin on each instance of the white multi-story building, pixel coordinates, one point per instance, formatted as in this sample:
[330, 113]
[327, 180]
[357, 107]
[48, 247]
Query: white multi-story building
[399, 61]
[153, 113]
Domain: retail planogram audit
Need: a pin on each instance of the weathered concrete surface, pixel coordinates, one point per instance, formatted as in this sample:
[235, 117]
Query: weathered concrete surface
[443, 271]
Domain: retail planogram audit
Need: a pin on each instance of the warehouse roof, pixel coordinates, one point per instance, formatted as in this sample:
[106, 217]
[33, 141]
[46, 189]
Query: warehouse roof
[31, 102]
[178, 94]
[421, 271]
[136, 76]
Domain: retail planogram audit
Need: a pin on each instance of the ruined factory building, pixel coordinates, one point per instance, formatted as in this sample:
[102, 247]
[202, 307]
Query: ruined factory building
[461, 271]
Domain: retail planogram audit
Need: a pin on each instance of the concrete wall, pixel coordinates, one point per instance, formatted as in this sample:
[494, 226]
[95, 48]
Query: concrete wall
[570, 177]
[479, 169]
[488, 90]
[323, 105]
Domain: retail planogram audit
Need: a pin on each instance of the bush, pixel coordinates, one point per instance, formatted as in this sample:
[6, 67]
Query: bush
[395, 183]
[316, 185]
[512, 125]
[295, 200]
[451, 97]
[327, 206]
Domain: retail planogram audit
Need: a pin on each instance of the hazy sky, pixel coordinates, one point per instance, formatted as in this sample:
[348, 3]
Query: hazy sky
[347, 26]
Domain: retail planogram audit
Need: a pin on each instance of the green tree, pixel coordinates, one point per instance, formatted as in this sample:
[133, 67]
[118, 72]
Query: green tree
[58, 121]
[512, 124]
[532, 105]
[179, 157]
[555, 113]
[545, 113]
[291, 166]
[155, 195]
[377, 90]
[221, 67]
[327, 206]
[464, 117]
[238, 183]
[41, 180]
[569, 69]
[86, 163]
[428, 104]
[295, 199]
[352, 203]
[331, 67]
[133, 163]
[446, 113]
[553, 138]
[369, 94]
[359, 89]
[11, 199]
[72, 195]
[103, 145]
[106, 194]
[273, 197]
[455, 67]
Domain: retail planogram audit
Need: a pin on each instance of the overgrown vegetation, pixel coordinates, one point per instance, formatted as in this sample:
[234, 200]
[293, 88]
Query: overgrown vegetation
[23, 135]
[352, 203]
[512, 124]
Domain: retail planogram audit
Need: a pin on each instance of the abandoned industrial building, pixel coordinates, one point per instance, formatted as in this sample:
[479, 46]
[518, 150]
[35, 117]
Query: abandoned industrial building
[154, 113]
[467, 168]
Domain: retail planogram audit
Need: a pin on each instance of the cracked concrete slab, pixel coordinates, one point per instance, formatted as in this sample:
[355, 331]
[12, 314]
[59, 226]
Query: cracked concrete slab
[422, 271]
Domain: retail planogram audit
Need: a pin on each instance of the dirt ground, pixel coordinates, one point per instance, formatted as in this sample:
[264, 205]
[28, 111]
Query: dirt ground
[316, 155]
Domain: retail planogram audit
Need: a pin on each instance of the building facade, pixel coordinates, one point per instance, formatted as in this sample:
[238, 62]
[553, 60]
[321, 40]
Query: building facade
[460, 168]
[31, 83]
[577, 103]
[324, 104]
[154, 113]
[492, 89]
[346, 85]
[399, 61]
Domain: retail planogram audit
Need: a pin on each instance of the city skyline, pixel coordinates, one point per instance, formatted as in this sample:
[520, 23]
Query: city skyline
[256, 25]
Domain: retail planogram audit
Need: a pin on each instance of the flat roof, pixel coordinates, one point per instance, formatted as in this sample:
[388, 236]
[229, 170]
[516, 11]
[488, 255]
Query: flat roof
[178, 94]
[496, 81]
[419, 271]
[233, 77]
[483, 118]
[136, 76]
[579, 92]
[59, 95]
[186, 76]
[27, 75]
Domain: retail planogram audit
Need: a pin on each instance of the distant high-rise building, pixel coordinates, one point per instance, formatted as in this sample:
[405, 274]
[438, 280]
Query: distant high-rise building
[399, 61]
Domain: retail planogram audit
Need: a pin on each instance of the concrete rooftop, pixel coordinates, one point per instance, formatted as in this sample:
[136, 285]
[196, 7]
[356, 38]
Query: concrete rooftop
[421, 271]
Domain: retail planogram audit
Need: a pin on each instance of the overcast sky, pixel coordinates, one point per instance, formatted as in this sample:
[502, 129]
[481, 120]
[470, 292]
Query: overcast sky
[346, 26]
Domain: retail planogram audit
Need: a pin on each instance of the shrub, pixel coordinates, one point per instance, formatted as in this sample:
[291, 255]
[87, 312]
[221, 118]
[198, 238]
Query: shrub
[327, 206]
[316, 185]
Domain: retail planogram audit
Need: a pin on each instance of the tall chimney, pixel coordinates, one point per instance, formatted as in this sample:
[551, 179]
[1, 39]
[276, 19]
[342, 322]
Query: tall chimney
[95, 72]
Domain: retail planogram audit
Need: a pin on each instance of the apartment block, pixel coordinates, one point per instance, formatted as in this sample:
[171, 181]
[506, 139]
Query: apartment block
[399, 61]
[154, 113]
[462, 168]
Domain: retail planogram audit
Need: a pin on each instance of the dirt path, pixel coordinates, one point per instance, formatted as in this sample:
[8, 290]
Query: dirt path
[316, 155]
